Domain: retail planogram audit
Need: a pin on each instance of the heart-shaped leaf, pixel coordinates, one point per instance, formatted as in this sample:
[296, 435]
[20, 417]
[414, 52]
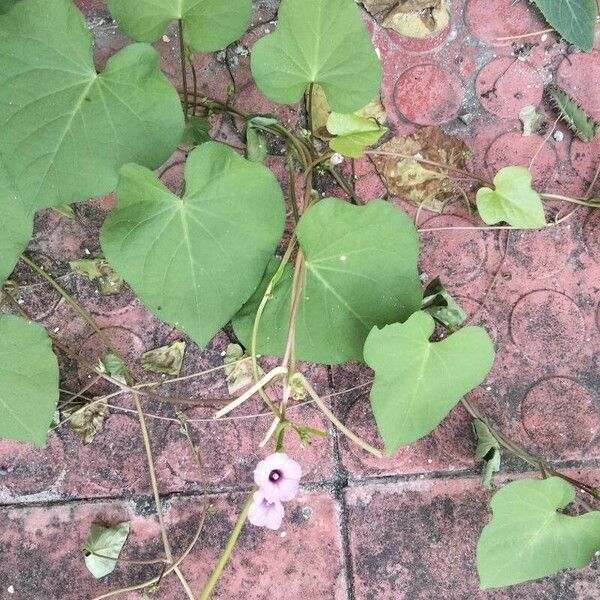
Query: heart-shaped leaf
[513, 200]
[17, 224]
[575, 20]
[353, 133]
[208, 25]
[6, 5]
[28, 381]
[66, 130]
[323, 42]
[195, 260]
[528, 538]
[361, 271]
[103, 546]
[417, 382]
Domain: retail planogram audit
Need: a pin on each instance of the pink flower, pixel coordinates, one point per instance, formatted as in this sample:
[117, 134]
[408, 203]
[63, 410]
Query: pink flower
[263, 513]
[278, 477]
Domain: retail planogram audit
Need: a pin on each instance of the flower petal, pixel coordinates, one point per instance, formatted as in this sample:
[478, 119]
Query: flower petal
[291, 469]
[264, 467]
[288, 488]
[263, 513]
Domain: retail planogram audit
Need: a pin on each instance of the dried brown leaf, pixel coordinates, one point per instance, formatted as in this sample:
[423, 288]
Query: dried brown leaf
[166, 359]
[238, 369]
[412, 18]
[88, 419]
[423, 184]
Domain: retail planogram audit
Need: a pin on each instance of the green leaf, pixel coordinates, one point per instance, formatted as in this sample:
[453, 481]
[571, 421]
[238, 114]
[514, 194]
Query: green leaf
[488, 450]
[513, 200]
[318, 41]
[528, 538]
[115, 367]
[361, 271]
[66, 210]
[256, 145]
[208, 25]
[166, 359]
[575, 20]
[418, 382]
[17, 224]
[438, 302]
[353, 133]
[197, 131]
[195, 260]
[6, 5]
[582, 124]
[255, 138]
[28, 381]
[109, 282]
[103, 546]
[66, 130]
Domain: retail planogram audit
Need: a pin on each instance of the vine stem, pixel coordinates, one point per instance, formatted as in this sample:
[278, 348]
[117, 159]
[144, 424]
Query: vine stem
[483, 181]
[339, 178]
[325, 410]
[156, 493]
[249, 393]
[183, 68]
[541, 465]
[288, 361]
[79, 309]
[309, 107]
[303, 151]
[233, 538]
[139, 387]
[190, 59]
[128, 377]
[581, 201]
[259, 312]
[293, 195]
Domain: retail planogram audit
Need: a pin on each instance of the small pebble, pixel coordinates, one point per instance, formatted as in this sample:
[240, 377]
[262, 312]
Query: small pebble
[466, 118]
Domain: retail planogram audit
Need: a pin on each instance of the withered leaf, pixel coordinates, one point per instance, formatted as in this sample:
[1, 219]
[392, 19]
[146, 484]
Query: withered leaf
[238, 369]
[88, 420]
[530, 118]
[166, 359]
[423, 184]
[412, 18]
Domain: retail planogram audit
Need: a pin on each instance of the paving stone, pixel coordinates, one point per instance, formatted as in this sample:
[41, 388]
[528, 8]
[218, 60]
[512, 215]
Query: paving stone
[42, 549]
[416, 540]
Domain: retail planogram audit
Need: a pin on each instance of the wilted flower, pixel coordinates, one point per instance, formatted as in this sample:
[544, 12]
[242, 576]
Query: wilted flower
[278, 477]
[263, 513]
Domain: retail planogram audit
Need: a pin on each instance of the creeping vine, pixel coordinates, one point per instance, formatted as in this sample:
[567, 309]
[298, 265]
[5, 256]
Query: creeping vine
[338, 281]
